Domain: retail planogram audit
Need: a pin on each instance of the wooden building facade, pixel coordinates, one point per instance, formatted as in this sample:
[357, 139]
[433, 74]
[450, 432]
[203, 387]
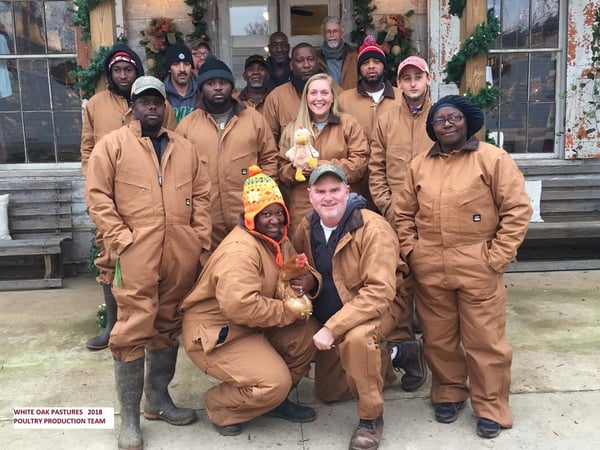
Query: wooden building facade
[547, 114]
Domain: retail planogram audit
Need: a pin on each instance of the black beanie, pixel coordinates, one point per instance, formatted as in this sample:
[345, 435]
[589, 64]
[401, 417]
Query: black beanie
[473, 114]
[214, 68]
[177, 53]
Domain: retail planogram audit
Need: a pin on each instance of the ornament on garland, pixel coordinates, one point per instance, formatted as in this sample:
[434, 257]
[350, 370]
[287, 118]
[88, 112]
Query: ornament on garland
[395, 39]
[156, 37]
[200, 26]
[363, 20]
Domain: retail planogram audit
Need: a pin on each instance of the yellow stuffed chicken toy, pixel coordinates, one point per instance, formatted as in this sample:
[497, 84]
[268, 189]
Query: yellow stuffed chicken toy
[302, 155]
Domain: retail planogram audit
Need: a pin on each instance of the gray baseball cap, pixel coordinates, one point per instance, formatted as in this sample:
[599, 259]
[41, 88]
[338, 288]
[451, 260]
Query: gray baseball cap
[146, 83]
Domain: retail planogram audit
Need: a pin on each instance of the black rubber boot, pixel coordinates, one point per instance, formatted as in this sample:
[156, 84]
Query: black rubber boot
[293, 412]
[158, 403]
[101, 341]
[129, 377]
[411, 359]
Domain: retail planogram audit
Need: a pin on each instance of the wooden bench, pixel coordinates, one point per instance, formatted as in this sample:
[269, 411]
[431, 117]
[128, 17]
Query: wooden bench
[39, 220]
[569, 237]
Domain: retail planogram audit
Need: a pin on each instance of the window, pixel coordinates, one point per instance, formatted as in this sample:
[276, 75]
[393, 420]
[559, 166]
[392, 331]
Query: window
[40, 112]
[525, 60]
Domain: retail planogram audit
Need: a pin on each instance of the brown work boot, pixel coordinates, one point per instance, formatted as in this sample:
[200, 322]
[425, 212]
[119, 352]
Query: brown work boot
[367, 434]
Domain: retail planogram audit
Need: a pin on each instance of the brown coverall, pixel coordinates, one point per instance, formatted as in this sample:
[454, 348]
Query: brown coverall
[236, 331]
[367, 273]
[461, 217]
[103, 113]
[342, 142]
[155, 217]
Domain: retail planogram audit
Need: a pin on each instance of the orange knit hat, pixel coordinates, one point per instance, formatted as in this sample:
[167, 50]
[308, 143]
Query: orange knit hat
[260, 191]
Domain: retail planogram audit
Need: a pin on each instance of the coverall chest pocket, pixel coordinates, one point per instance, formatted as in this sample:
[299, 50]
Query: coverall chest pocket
[133, 195]
[477, 212]
[237, 167]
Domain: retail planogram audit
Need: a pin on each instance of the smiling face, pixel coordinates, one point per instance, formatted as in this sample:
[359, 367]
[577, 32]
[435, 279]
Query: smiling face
[270, 221]
[279, 47]
[329, 197]
[256, 75]
[319, 98]
[332, 34]
[450, 128]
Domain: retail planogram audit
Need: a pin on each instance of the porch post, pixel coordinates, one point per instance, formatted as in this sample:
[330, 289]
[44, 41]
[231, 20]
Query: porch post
[102, 31]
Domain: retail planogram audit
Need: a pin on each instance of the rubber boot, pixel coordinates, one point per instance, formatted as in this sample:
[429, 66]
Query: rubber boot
[158, 404]
[411, 359]
[129, 377]
[101, 341]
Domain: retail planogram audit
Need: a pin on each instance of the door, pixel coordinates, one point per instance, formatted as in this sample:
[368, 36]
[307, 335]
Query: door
[245, 26]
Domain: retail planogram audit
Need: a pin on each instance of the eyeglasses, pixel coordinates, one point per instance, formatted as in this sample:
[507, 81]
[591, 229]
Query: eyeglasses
[454, 118]
[200, 53]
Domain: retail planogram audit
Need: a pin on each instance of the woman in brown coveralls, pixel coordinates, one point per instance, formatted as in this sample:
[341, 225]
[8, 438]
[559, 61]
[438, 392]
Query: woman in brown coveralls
[461, 216]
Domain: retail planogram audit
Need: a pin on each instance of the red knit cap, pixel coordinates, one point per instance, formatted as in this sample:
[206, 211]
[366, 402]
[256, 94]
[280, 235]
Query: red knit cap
[370, 49]
[122, 56]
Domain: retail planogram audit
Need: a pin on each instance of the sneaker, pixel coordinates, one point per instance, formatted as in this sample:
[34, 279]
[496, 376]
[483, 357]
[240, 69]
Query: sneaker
[367, 434]
[293, 412]
[411, 359]
[229, 430]
[448, 412]
[487, 428]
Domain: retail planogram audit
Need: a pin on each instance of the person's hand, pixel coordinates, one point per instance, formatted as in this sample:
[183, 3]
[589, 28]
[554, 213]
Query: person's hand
[303, 284]
[323, 339]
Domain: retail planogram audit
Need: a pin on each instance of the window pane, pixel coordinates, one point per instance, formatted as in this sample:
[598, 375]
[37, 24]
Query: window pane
[513, 122]
[30, 31]
[249, 20]
[34, 84]
[6, 25]
[68, 135]
[541, 128]
[513, 77]
[61, 34]
[515, 23]
[12, 148]
[63, 94]
[39, 136]
[544, 29]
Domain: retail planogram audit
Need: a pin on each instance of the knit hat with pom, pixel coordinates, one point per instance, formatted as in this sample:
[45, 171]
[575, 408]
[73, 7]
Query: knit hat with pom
[260, 191]
[370, 49]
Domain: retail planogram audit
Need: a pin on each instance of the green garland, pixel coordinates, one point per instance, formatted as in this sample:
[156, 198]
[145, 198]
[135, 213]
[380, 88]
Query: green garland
[197, 15]
[81, 16]
[456, 7]
[86, 78]
[478, 43]
[363, 20]
[395, 39]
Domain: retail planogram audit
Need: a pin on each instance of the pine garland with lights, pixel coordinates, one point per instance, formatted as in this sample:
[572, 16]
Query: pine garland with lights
[81, 16]
[456, 7]
[478, 43]
[363, 20]
[200, 26]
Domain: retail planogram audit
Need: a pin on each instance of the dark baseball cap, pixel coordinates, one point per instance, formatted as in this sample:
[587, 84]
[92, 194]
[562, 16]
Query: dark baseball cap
[324, 170]
[255, 59]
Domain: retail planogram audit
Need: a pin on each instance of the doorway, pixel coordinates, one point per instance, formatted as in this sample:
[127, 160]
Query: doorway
[245, 26]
